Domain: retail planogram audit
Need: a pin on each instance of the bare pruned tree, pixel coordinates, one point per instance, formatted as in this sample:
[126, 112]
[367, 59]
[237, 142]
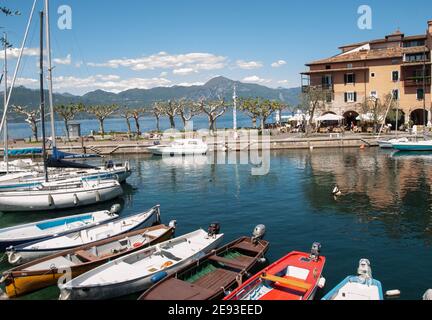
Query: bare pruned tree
[137, 114]
[187, 111]
[213, 110]
[170, 109]
[101, 113]
[157, 112]
[32, 118]
[376, 108]
[126, 114]
[313, 99]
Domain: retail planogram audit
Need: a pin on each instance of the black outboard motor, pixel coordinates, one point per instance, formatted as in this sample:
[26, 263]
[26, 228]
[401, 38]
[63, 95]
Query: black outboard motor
[315, 251]
[214, 229]
[109, 164]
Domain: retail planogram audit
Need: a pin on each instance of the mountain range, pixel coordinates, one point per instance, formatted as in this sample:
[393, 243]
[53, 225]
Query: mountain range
[133, 98]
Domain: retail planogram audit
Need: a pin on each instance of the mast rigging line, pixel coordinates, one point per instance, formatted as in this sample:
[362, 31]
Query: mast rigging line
[17, 66]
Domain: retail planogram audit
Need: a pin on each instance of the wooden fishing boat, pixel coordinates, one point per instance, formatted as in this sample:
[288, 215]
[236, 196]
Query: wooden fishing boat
[359, 287]
[211, 277]
[41, 230]
[33, 250]
[60, 195]
[48, 271]
[137, 271]
[297, 276]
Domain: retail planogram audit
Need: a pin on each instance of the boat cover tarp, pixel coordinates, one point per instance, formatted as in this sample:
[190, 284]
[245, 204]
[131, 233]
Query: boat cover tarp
[24, 152]
[58, 163]
[65, 155]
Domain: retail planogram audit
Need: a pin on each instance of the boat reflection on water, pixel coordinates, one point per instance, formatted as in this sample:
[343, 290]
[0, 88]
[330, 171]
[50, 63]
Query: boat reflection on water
[185, 161]
[425, 155]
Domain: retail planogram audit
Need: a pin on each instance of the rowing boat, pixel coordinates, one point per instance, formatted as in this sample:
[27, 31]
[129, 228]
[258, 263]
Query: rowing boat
[41, 230]
[30, 251]
[137, 271]
[66, 265]
[297, 276]
[211, 277]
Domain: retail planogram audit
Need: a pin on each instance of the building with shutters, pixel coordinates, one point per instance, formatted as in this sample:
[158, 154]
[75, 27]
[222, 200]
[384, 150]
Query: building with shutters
[396, 64]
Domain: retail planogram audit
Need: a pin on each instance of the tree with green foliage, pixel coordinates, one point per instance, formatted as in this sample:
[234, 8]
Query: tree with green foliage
[101, 113]
[260, 108]
[68, 113]
[376, 108]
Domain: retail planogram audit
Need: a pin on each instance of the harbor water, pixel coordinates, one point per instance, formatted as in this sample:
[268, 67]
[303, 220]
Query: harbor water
[384, 213]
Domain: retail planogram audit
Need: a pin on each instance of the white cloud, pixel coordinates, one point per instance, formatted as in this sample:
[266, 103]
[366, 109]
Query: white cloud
[283, 82]
[163, 60]
[184, 71]
[163, 74]
[64, 61]
[27, 82]
[278, 64]
[13, 53]
[79, 64]
[190, 84]
[248, 65]
[256, 79]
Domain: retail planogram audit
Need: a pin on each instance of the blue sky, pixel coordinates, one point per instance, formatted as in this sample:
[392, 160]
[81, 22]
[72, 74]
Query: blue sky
[118, 45]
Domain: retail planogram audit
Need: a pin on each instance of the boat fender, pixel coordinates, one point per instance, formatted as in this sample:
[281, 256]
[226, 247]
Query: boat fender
[76, 200]
[262, 260]
[50, 200]
[393, 293]
[98, 196]
[138, 244]
[321, 282]
[428, 295]
[158, 277]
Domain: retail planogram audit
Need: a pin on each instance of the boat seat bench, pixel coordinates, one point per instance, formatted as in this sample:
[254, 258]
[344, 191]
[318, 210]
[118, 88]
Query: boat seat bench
[86, 256]
[247, 246]
[229, 262]
[216, 280]
[289, 282]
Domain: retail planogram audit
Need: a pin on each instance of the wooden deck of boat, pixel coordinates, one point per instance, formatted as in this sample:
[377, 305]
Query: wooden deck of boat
[216, 280]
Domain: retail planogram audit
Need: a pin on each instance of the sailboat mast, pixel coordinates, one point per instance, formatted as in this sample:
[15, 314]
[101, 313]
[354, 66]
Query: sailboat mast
[42, 98]
[235, 108]
[50, 78]
[5, 132]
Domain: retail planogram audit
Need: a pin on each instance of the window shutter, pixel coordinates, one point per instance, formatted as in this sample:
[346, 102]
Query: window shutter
[354, 78]
[345, 78]
[346, 97]
[355, 96]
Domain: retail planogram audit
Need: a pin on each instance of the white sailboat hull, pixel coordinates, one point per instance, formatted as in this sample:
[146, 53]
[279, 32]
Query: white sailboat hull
[59, 198]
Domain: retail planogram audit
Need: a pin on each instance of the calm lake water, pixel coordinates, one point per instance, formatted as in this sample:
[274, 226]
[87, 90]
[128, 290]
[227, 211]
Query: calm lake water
[385, 213]
[148, 123]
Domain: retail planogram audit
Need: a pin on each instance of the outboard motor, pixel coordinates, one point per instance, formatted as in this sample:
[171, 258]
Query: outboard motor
[315, 251]
[214, 229]
[109, 164]
[258, 233]
[115, 209]
[364, 270]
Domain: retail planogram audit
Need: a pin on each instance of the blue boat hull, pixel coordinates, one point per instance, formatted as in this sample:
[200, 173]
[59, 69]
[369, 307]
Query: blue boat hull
[335, 290]
[412, 147]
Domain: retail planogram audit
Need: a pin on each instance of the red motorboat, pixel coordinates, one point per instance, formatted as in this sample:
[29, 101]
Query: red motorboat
[297, 276]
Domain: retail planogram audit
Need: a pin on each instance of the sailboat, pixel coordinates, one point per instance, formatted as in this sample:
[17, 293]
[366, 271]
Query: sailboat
[60, 194]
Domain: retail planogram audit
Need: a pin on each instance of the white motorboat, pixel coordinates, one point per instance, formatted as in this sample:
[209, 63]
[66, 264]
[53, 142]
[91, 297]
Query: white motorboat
[360, 287]
[388, 144]
[39, 230]
[59, 195]
[180, 147]
[137, 271]
[37, 249]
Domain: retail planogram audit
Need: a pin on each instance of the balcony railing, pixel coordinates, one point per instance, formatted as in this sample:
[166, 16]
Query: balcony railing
[327, 87]
[417, 81]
